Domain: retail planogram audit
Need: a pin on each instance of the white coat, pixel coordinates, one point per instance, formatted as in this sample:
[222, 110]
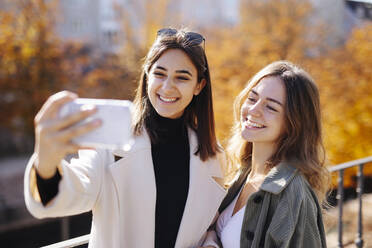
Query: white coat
[122, 195]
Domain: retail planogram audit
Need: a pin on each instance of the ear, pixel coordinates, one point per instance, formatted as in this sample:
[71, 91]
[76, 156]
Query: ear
[199, 87]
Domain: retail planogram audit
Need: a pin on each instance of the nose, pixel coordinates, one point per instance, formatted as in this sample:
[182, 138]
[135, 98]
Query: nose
[167, 84]
[254, 109]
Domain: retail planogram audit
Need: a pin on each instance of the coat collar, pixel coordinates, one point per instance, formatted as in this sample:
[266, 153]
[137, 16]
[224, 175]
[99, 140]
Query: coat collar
[204, 194]
[204, 197]
[138, 143]
[278, 178]
[143, 142]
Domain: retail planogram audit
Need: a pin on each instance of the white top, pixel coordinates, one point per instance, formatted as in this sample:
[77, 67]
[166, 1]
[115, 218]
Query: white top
[229, 226]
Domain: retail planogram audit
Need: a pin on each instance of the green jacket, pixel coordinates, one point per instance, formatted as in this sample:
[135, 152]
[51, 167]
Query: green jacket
[284, 213]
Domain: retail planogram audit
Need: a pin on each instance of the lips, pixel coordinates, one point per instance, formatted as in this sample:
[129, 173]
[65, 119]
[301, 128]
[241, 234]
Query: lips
[168, 99]
[252, 124]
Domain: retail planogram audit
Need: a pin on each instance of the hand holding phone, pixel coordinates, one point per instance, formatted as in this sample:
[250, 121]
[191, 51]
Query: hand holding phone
[115, 131]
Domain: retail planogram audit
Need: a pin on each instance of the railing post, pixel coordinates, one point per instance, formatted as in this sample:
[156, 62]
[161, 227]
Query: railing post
[65, 228]
[340, 198]
[359, 239]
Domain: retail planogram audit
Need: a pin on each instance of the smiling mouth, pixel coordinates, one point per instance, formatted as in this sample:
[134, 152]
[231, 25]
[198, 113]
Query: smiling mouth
[251, 124]
[168, 99]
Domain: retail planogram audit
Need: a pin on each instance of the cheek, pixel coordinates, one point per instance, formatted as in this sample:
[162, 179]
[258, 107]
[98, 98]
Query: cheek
[243, 112]
[151, 93]
[281, 125]
[151, 84]
[187, 91]
[194, 91]
[187, 98]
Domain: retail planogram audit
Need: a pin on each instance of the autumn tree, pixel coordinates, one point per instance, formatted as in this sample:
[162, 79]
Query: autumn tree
[267, 31]
[344, 77]
[35, 63]
[275, 30]
[140, 22]
[28, 59]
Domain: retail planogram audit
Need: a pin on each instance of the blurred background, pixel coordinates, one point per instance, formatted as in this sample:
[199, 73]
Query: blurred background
[96, 48]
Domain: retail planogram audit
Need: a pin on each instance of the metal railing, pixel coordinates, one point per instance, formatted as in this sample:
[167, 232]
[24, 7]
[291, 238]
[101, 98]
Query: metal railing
[340, 197]
[340, 168]
[70, 242]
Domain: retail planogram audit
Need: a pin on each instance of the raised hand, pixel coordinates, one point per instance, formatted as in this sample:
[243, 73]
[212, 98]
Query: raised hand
[53, 135]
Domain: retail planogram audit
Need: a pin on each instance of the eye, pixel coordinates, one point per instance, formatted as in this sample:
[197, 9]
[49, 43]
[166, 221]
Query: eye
[159, 74]
[182, 78]
[271, 108]
[251, 100]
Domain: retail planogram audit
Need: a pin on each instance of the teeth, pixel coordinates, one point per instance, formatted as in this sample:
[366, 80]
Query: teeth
[170, 99]
[254, 124]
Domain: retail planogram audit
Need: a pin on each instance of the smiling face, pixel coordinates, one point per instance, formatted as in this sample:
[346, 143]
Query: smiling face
[262, 114]
[172, 83]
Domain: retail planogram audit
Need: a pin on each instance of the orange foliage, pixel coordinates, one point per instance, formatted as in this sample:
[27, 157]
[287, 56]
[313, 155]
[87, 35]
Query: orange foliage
[273, 30]
[29, 56]
[344, 77]
[34, 64]
[267, 31]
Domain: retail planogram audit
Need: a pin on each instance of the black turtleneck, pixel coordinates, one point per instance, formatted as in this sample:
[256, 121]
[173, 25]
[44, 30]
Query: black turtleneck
[171, 159]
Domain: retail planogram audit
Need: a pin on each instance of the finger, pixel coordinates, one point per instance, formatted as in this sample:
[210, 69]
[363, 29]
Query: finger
[72, 148]
[68, 134]
[73, 119]
[53, 104]
[57, 101]
[43, 130]
[52, 126]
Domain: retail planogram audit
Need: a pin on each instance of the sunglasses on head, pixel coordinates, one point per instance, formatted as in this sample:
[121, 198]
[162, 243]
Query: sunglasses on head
[193, 37]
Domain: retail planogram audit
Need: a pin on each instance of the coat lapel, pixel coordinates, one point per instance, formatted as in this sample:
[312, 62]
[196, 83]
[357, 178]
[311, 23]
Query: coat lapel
[204, 197]
[133, 173]
[279, 177]
[134, 179]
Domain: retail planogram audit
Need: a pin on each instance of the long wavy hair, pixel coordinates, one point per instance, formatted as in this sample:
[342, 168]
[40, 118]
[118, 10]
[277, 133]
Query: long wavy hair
[301, 139]
[198, 114]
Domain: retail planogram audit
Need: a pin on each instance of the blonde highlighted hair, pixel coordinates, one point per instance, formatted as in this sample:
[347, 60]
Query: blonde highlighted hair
[301, 140]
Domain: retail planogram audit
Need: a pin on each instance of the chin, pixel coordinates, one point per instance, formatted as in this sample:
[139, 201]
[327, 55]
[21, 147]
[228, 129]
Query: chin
[169, 115]
[165, 115]
[247, 137]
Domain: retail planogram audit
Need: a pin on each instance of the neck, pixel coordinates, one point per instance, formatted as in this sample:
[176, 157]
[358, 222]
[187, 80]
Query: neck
[261, 152]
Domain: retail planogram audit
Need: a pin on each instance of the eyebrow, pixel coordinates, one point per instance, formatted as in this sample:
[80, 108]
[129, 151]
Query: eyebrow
[184, 71]
[160, 67]
[269, 98]
[178, 71]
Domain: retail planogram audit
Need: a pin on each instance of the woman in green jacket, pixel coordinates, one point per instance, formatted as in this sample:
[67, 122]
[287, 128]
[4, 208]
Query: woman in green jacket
[281, 179]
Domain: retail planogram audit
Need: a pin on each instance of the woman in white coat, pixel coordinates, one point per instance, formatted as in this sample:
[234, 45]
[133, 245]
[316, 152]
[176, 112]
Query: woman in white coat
[165, 191]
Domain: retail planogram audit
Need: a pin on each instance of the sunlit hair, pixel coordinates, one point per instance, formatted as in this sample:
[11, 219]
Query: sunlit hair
[301, 140]
[198, 114]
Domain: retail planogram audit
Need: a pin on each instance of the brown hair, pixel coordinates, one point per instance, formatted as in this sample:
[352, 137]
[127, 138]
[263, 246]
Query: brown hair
[198, 114]
[301, 140]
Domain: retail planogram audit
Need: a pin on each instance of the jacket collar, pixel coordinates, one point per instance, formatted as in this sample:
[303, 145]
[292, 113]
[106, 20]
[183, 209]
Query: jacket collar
[138, 143]
[143, 142]
[201, 185]
[278, 178]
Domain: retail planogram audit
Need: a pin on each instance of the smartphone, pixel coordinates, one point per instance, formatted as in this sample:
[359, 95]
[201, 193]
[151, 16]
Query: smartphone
[115, 131]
